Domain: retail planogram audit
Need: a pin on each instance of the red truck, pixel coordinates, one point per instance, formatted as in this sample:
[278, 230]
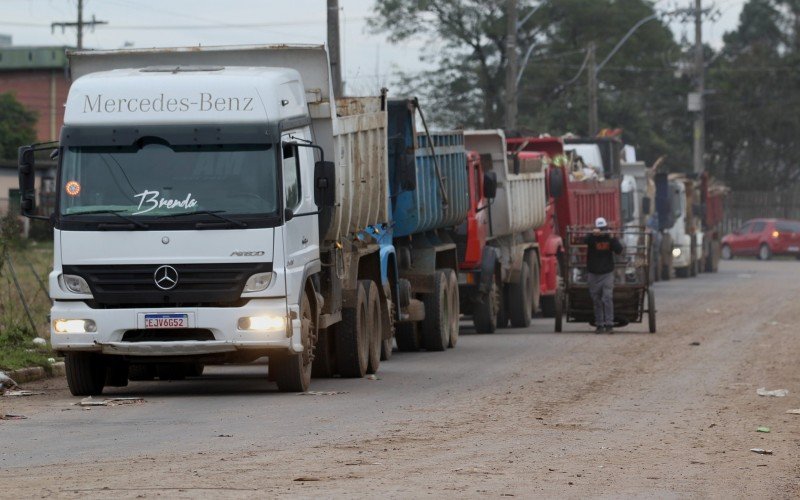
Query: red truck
[569, 203]
[712, 199]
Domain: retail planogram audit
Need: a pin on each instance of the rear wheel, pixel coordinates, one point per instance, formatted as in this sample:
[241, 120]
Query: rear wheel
[764, 253]
[651, 311]
[86, 373]
[520, 300]
[535, 287]
[352, 340]
[292, 372]
[487, 310]
[727, 253]
[438, 313]
[374, 328]
[455, 304]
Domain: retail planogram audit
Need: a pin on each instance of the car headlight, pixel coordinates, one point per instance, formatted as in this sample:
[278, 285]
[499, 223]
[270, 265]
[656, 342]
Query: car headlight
[259, 282]
[676, 252]
[262, 323]
[74, 326]
[75, 284]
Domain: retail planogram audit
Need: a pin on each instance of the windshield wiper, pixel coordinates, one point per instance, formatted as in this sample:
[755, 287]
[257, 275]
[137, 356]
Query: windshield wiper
[118, 213]
[215, 213]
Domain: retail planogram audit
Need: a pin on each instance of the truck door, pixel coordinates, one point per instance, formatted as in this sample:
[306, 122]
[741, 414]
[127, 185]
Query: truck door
[301, 233]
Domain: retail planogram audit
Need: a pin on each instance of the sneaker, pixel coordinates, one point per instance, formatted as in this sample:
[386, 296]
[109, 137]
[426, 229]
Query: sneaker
[609, 329]
[600, 329]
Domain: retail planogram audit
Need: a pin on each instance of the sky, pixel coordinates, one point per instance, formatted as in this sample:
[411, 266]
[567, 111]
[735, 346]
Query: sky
[369, 61]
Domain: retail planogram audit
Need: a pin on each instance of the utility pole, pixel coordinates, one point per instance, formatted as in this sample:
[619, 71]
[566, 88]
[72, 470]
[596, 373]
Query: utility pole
[334, 47]
[511, 65]
[591, 71]
[78, 25]
[698, 106]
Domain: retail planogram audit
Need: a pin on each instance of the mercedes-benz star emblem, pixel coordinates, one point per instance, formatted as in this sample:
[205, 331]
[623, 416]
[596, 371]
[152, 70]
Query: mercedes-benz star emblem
[165, 240]
[166, 277]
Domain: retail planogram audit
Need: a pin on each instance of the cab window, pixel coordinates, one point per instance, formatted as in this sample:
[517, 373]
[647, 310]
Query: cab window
[291, 177]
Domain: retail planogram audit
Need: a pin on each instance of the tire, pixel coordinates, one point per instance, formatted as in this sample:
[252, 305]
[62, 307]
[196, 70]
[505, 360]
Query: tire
[407, 337]
[488, 309]
[764, 252]
[86, 373]
[558, 309]
[455, 304]
[292, 372]
[727, 253]
[116, 372]
[352, 339]
[142, 372]
[520, 300]
[323, 365]
[387, 343]
[374, 328]
[438, 312]
[502, 313]
[651, 311]
[536, 287]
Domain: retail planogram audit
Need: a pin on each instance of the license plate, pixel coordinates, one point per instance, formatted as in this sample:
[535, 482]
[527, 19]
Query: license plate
[166, 321]
[794, 249]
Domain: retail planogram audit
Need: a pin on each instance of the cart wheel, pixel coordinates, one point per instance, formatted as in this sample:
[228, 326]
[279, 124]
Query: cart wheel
[651, 310]
[559, 309]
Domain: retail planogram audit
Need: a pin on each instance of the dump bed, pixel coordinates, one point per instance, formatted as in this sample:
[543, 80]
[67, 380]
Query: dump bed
[591, 199]
[351, 131]
[521, 199]
[427, 174]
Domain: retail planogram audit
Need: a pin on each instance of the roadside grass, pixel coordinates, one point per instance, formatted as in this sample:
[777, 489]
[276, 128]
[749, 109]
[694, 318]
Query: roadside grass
[29, 262]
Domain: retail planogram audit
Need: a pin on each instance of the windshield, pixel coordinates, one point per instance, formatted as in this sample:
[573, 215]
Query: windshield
[158, 180]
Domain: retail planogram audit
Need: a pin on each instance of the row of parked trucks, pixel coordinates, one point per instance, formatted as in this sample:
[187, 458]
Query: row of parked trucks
[218, 205]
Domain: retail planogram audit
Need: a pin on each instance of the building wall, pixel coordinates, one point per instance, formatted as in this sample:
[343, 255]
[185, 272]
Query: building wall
[43, 91]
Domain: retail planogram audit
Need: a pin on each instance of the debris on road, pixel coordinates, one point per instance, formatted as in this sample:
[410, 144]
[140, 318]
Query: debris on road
[321, 393]
[695, 343]
[306, 478]
[9, 416]
[778, 393]
[762, 429]
[6, 382]
[761, 451]
[21, 393]
[225, 435]
[794, 412]
[109, 402]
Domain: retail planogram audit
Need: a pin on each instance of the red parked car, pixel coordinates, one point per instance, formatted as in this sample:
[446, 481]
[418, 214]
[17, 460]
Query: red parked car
[763, 238]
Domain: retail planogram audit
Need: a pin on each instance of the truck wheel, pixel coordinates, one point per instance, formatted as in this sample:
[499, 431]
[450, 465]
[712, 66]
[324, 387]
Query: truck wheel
[651, 311]
[322, 366]
[502, 313]
[116, 372]
[519, 299]
[292, 372]
[764, 253]
[455, 303]
[487, 310]
[407, 337]
[352, 339]
[374, 327]
[438, 313]
[386, 344]
[536, 286]
[86, 373]
[727, 253]
[142, 372]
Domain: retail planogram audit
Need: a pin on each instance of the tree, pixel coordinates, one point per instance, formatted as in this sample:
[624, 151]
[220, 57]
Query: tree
[16, 126]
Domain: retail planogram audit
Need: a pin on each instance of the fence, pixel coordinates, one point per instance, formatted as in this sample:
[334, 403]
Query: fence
[743, 205]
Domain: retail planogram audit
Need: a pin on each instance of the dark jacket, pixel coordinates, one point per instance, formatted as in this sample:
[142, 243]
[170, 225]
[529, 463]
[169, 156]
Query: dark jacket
[600, 250]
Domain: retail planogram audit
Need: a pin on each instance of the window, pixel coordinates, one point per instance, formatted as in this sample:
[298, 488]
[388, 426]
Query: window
[291, 177]
[746, 228]
[787, 226]
[758, 227]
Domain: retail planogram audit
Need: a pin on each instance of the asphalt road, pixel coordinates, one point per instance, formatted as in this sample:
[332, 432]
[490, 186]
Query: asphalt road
[523, 412]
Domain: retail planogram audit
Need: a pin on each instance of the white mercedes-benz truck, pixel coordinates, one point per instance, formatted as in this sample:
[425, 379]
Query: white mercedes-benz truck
[212, 207]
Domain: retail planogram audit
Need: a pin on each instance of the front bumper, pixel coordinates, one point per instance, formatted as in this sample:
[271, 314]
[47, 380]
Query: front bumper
[112, 324]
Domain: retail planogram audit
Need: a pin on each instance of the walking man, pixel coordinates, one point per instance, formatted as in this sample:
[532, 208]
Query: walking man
[600, 250]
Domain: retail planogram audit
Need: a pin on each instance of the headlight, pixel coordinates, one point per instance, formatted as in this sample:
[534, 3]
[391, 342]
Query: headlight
[263, 323]
[258, 282]
[676, 252]
[74, 326]
[74, 284]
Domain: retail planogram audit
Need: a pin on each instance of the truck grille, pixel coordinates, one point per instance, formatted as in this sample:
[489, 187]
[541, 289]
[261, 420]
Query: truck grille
[218, 285]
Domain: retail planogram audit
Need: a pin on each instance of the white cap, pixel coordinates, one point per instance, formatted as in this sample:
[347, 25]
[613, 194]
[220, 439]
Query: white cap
[600, 223]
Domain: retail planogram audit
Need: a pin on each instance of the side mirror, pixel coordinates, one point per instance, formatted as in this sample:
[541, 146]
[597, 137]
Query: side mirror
[489, 185]
[324, 184]
[646, 205]
[556, 180]
[27, 180]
